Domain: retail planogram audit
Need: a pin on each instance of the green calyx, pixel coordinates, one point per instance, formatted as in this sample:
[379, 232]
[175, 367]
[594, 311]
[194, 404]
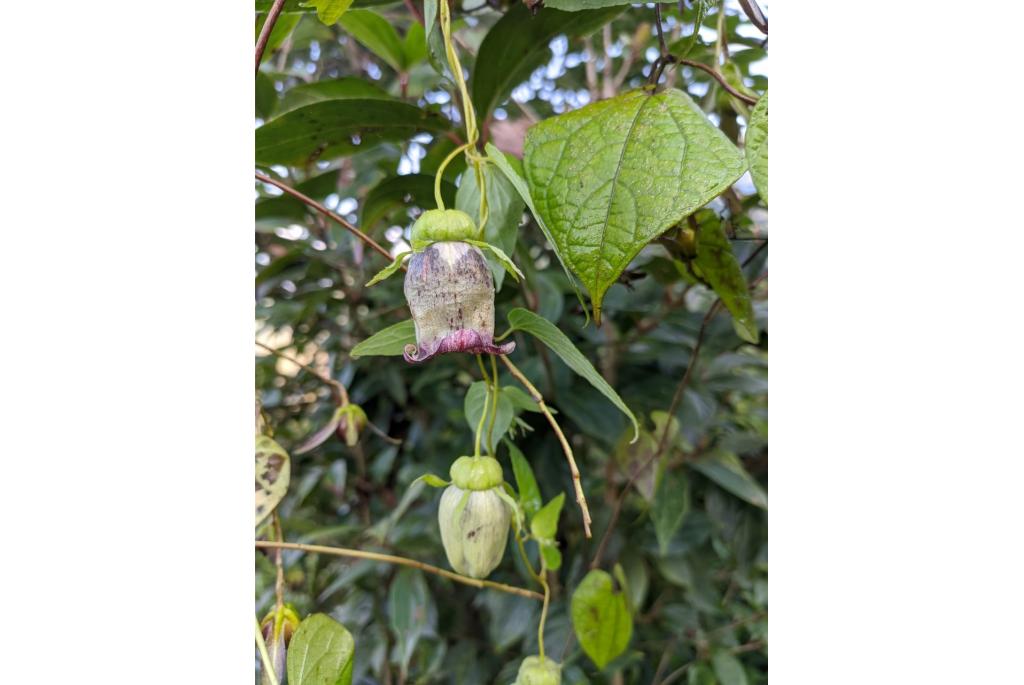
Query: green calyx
[476, 473]
[437, 225]
[536, 670]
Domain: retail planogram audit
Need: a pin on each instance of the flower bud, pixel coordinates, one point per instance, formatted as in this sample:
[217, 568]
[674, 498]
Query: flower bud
[277, 628]
[443, 224]
[351, 423]
[537, 671]
[450, 292]
[473, 518]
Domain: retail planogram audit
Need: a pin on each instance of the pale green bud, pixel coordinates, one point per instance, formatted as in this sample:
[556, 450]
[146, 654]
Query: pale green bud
[443, 224]
[537, 671]
[474, 529]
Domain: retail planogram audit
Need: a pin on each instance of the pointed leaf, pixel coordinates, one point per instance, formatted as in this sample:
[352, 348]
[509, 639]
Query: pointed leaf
[329, 11]
[545, 331]
[320, 653]
[671, 504]
[716, 263]
[377, 35]
[329, 89]
[411, 610]
[526, 483]
[614, 175]
[600, 617]
[273, 470]
[726, 469]
[756, 144]
[552, 556]
[545, 523]
[389, 342]
[333, 128]
[474, 404]
[389, 270]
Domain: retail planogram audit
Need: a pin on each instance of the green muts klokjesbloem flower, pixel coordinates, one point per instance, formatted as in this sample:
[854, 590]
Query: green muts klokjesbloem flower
[537, 670]
[474, 517]
[449, 287]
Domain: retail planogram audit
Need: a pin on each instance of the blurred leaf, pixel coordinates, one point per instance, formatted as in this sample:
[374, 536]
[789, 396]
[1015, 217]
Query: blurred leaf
[614, 175]
[320, 437]
[429, 15]
[726, 470]
[600, 617]
[286, 208]
[389, 342]
[335, 127]
[273, 469]
[545, 331]
[306, 6]
[522, 401]
[284, 26]
[266, 96]
[396, 191]
[320, 653]
[389, 270]
[545, 522]
[756, 144]
[518, 43]
[526, 483]
[552, 556]
[377, 35]
[331, 89]
[504, 212]
[716, 263]
[682, 47]
[410, 609]
[728, 668]
[701, 674]
[474, 405]
[329, 11]
[578, 5]
[671, 502]
[414, 45]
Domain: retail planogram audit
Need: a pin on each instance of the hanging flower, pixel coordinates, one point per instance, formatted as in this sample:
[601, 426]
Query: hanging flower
[473, 518]
[537, 671]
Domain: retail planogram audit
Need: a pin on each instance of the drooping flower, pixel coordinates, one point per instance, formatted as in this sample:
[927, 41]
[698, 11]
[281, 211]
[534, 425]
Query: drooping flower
[537, 671]
[473, 518]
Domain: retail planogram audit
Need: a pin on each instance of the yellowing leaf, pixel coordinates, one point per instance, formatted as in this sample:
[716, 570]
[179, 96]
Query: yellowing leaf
[610, 177]
[600, 617]
[273, 470]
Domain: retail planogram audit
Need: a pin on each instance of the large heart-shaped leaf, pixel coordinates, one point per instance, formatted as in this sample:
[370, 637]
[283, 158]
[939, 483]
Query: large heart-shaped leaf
[612, 176]
[273, 470]
[518, 43]
[756, 144]
[389, 342]
[337, 127]
[320, 653]
[600, 617]
[524, 320]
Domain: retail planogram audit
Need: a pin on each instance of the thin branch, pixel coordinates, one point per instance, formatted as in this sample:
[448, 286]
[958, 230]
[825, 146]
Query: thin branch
[279, 563]
[657, 25]
[718, 77]
[336, 385]
[539, 398]
[268, 666]
[401, 561]
[268, 27]
[326, 212]
[755, 15]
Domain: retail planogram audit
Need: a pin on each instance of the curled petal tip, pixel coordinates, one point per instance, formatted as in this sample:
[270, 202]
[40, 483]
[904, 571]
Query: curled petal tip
[463, 340]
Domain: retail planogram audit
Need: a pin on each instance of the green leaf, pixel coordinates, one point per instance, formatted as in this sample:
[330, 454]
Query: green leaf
[545, 522]
[515, 178]
[306, 7]
[756, 144]
[429, 15]
[600, 617]
[716, 264]
[320, 653]
[287, 208]
[377, 35]
[322, 130]
[389, 270]
[284, 26]
[552, 556]
[414, 45]
[524, 320]
[402, 191]
[526, 483]
[266, 96]
[329, 11]
[614, 175]
[728, 668]
[411, 611]
[518, 43]
[474, 404]
[504, 212]
[389, 342]
[671, 503]
[682, 47]
[330, 89]
[433, 481]
[503, 259]
[726, 469]
[522, 401]
[579, 5]
[273, 469]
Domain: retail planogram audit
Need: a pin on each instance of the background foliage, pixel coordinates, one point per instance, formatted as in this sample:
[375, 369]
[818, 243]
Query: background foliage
[357, 113]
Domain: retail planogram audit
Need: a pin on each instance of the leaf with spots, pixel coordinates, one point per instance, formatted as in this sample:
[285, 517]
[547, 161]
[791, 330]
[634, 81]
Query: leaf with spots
[320, 653]
[601, 619]
[273, 469]
[612, 176]
[716, 264]
[756, 144]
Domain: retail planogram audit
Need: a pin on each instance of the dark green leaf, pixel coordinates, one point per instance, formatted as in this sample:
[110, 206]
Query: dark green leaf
[518, 43]
[411, 611]
[474, 404]
[377, 35]
[614, 175]
[600, 617]
[671, 503]
[716, 264]
[320, 653]
[389, 342]
[322, 130]
[333, 89]
[728, 668]
[266, 96]
[284, 26]
[545, 331]
[727, 470]
[526, 484]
